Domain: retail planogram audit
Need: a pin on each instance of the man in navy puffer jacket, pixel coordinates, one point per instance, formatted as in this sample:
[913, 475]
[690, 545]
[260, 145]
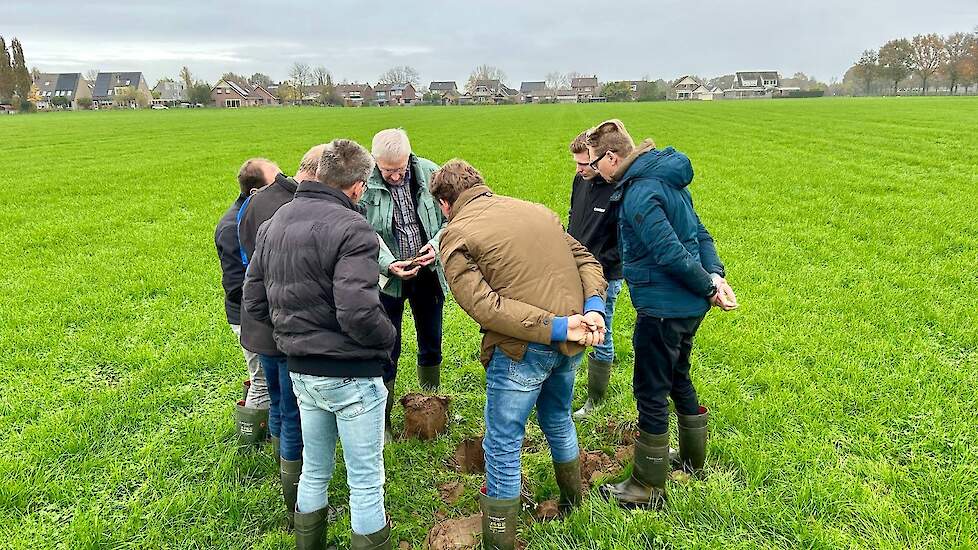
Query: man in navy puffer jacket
[674, 276]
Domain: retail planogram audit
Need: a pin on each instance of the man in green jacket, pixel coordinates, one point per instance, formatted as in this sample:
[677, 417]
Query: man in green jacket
[409, 222]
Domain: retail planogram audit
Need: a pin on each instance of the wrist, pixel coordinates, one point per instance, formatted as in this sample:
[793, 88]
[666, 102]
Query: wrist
[594, 303]
[558, 329]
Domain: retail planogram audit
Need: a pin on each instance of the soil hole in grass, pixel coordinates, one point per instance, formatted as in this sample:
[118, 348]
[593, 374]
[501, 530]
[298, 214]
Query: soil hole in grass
[455, 534]
[425, 416]
[469, 457]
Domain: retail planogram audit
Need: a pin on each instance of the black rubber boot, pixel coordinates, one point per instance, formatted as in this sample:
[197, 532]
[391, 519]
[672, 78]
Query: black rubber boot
[289, 473]
[646, 488]
[499, 519]
[381, 540]
[568, 476]
[252, 426]
[388, 432]
[429, 378]
[692, 440]
[598, 377]
[309, 529]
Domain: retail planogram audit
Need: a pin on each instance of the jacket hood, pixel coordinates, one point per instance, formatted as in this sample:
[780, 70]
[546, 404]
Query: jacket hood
[666, 165]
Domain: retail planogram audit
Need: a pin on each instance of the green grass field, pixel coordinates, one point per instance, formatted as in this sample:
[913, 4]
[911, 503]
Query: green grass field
[843, 391]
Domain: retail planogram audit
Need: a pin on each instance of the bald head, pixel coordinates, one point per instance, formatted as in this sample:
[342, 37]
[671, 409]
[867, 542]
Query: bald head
[309, 164]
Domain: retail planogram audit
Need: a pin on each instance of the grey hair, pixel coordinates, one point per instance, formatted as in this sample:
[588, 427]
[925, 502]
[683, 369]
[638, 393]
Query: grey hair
[343, 163]
[391, 144]
[310, 161]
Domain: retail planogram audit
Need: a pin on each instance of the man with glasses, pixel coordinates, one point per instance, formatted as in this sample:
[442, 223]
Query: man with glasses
[593, 222]
[409, 222]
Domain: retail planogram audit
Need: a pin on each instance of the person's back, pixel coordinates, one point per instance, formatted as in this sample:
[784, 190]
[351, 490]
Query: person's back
[314, 276]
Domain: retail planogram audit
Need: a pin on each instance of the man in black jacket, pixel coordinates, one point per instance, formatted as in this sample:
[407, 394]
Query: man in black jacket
[314, 276]
[253, 410]
[593, 222]
[256, 335]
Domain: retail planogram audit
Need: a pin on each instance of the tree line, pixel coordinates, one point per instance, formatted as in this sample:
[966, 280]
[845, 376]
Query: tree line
[16, 82]
[915, 65]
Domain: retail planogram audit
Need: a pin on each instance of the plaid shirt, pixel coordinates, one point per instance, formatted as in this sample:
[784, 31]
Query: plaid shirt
[407, 230]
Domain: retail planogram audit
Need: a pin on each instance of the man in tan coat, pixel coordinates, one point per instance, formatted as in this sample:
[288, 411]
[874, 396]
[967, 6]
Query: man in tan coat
[538, 295]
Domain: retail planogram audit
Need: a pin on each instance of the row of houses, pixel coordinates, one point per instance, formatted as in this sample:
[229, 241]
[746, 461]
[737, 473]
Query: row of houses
[109, 87]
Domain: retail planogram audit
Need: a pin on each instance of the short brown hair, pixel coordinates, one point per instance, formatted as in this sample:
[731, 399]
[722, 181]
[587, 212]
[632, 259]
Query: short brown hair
[610, 135]
[454, 177]
[251, 176]
[344, 162]
[579, 145]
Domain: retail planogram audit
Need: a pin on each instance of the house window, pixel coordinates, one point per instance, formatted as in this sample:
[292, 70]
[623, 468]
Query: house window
[634, 87]
[110, 92]
[68, 93]
[770, 82]
[232, 103]
[128, 82]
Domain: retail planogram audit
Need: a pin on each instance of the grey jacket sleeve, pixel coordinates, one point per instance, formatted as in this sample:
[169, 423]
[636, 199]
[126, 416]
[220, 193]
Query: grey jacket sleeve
[254, 298]
[355, 293]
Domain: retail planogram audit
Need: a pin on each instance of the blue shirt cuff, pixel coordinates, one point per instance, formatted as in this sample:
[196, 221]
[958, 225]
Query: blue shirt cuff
[558, 331]
[594, 303]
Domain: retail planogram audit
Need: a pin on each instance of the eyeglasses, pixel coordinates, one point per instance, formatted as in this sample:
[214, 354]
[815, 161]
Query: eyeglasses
[392, 171]
[594, 163]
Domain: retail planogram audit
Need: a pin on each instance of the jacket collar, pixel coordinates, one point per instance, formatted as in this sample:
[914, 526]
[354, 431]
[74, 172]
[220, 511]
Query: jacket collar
[468, 196]
[286, 182]
[316, 190]
[645, 147]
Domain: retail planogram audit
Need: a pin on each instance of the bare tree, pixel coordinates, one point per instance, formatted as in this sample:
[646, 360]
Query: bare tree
[556, 80]
[402, 74]
[957, 46]
[260, 79]
[319, 75]
[91, 75]
[187, 78]
[926, 56]
[300, 74]
[484, 72]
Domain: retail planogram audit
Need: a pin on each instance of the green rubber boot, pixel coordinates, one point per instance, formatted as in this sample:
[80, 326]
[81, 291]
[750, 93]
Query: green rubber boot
[499, 519]
[388, 432]
[692, 440]
[646, 488]
[289, 473]
[381, 540]
[275, 444]
[568, 476]
[598, 377]
[429, 377]
[309, 529]
[252, 426]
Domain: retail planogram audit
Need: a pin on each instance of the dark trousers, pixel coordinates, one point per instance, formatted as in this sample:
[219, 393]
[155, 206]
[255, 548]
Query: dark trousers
[662, 348]
[427, 302]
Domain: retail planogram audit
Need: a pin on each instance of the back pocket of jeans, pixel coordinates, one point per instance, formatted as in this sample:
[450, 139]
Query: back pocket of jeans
[535, 367]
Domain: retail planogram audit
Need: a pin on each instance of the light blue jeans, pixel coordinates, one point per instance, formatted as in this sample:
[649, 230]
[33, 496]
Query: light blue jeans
[545, 379]
[606, 351]
[352, 410]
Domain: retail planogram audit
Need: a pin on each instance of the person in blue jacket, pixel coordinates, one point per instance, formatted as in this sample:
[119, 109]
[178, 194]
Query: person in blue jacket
[675, 276]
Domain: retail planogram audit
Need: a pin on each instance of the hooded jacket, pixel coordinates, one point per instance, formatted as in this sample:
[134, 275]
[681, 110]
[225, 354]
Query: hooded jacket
[667, 253]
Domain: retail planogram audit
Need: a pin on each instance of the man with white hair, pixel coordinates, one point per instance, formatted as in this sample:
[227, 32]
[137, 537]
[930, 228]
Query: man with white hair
[400, 208]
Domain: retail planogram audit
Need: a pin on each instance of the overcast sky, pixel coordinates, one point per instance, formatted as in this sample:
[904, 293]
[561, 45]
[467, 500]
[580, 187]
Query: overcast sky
[357, 41]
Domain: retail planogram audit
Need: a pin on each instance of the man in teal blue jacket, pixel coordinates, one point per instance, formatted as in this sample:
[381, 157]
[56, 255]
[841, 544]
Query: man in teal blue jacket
[674, 276]
[400, 208]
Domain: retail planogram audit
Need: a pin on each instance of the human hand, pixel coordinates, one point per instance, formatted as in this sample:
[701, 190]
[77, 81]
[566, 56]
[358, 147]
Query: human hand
[595, 321]
[724, 298]
[578, 330]
[426, 256]
[403, 269]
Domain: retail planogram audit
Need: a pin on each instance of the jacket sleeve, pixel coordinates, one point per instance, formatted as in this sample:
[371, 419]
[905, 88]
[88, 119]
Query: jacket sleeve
[254, 298]
[385, 257]
[355, 293]
[232, 270]
[708, 251]
[645, 212]
[493, 312]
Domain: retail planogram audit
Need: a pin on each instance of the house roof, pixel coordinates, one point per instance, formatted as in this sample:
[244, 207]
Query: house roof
[443, 86]
[584, 81]
[171, 90]
[111, 80]
[57, 82]
[534, 86]
[759, 76]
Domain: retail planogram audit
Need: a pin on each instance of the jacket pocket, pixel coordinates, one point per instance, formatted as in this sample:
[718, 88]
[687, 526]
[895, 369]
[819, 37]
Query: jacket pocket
[637, 275]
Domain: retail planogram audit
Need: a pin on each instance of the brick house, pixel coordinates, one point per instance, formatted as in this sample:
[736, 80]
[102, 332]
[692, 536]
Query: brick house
[395, 94]
[355, 95]
[585, 87]
[228, 94]
[447, 90]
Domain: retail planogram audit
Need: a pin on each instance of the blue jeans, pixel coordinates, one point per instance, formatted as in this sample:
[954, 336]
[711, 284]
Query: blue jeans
[283, 410]
[544, 378]
[606, 351]
[352, 410]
